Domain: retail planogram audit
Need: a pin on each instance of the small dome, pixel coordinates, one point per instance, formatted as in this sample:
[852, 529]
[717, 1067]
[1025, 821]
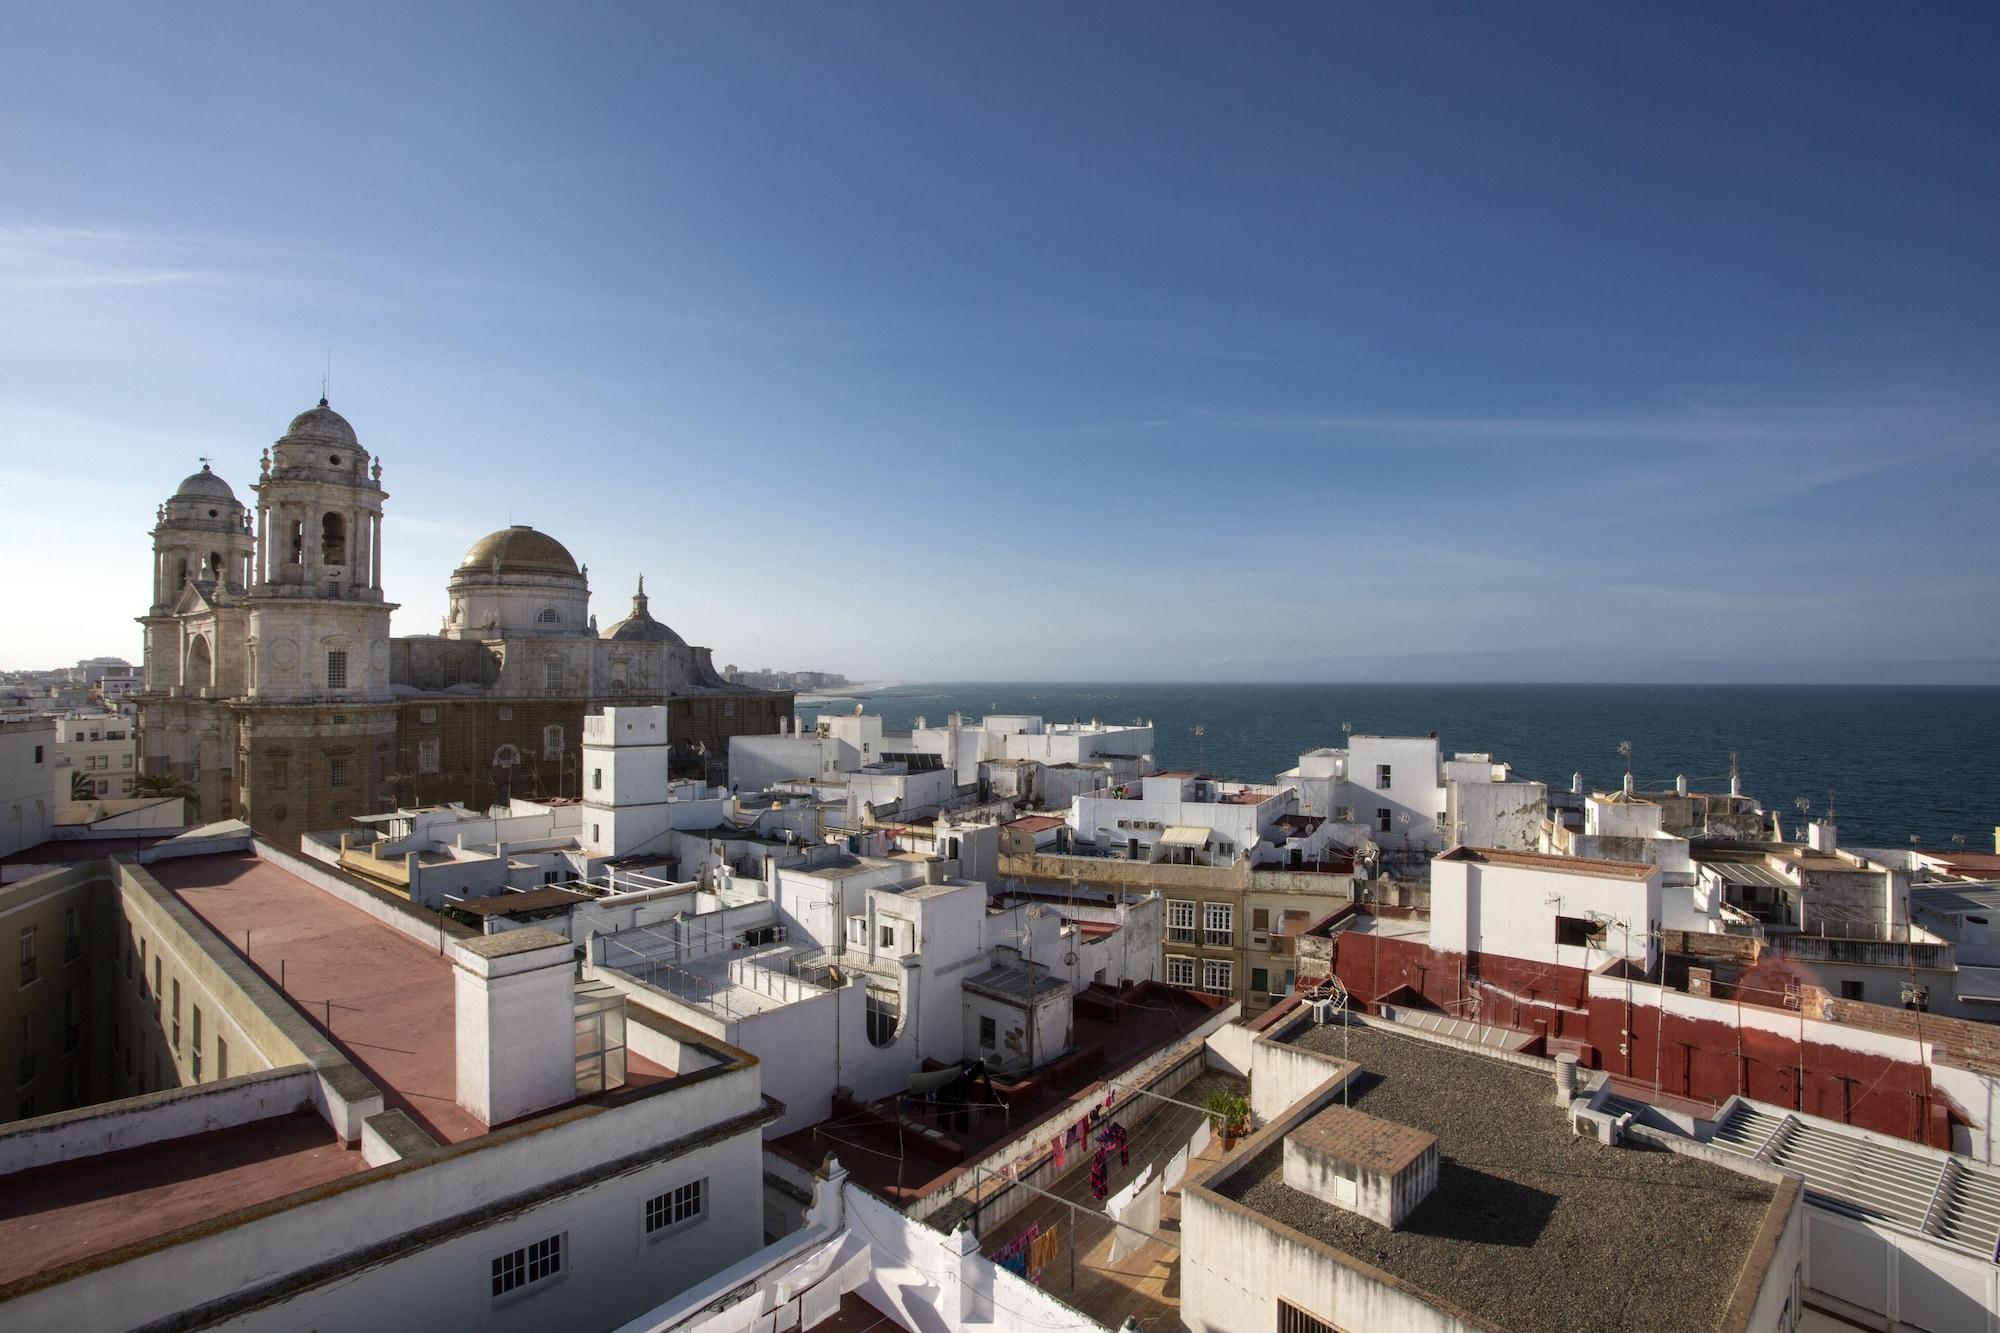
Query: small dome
[322, 425]
[518, 550]
[205, 485]
[640, 627]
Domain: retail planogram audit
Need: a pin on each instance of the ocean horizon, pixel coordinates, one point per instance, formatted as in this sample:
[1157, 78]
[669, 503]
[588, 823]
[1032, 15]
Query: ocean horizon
[1891, 761]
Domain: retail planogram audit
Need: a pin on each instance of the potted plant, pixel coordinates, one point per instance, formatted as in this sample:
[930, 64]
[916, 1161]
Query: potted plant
[1231, 1114]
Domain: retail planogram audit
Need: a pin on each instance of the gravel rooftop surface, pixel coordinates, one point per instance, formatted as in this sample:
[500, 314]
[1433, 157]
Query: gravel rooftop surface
[1530, 1227]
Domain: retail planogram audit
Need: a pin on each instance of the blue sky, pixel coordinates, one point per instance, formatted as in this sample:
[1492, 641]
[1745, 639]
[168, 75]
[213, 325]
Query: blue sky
[1081, 342]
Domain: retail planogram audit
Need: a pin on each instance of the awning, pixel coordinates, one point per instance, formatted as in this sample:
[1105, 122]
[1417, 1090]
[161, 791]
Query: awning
[1181, 835]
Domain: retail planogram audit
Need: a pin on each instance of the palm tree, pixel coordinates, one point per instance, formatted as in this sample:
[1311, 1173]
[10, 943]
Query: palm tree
[81, 788]
[161, 784]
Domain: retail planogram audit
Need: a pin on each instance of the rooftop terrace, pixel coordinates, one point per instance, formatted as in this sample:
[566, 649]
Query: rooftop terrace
[1523, 1207]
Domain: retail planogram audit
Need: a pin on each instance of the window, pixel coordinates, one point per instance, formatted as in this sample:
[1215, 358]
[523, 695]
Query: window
[1291, 1319]
[681, 1206]
[124, 761]
[506, 712]
[1579, 932]
[176, 1030]
[1180, 970]
[1218, 922]
[1260, 918]
[1384, 819]
[336, 772]
[336, 669]
[1853, 990]
[221, 1058]
[888, 937]
[1382, 777]
[38, 754]
[517, 1270]
[280, 772]
[552, 743]
[72, 1029]
[1343, 814]
[72, 936]
[597, 834]
[857, 931]
[1216, 976]
[196, 1056]
[548, 615]
[27, 1045]
[427, 715]
[30, 969]
[1260, 981]
[597, 779]
[428, 755]
[989, 1035]
[157, 988]
[1180, 924]
[552, 674]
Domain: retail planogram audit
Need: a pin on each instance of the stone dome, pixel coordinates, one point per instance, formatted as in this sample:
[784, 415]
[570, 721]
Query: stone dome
[640, 627]
[519, 550]
[322, 425]
[205, 485]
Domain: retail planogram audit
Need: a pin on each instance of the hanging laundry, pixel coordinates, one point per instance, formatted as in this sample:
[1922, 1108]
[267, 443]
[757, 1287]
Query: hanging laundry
[1176, 1169]
[1199, 1143]
[1056, 1152]
[1078, 1132]
[1113, 1136]
[1100, 1175]
[1042, 1253]
[1143, 1214]
[1110, 1099]
[1016, 1264]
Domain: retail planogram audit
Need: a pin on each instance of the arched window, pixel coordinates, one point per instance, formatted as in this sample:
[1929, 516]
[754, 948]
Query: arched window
[200, 668]
[506, 756]
[548, 615]
[180, 573]
[214, 565]
[552, 746]
[333, 540]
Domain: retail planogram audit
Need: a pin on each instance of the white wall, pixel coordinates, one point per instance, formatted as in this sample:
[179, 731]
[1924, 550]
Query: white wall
[1511, 911]
[26, 761]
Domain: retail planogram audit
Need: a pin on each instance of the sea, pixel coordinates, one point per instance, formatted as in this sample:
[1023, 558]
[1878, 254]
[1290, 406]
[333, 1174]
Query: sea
[1892, 762]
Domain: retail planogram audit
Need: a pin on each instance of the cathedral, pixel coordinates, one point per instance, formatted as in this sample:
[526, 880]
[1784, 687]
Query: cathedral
[274, 690]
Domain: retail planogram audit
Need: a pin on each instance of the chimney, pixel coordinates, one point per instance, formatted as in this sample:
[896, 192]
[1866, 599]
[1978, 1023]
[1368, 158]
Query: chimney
[1681, 785]
[1628, 784]
[1576, 783]
[515, 1023]
[1822, 835]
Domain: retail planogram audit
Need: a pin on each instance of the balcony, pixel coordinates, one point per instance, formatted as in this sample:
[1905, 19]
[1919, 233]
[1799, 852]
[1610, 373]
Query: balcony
[1862, 943]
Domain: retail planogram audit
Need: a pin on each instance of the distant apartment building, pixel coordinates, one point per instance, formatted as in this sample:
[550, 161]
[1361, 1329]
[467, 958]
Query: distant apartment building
[96, 756]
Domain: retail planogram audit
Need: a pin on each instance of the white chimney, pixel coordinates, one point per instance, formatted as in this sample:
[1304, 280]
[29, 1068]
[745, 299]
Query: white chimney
[1822, 835]
[1576, 783]
[1681, 785]
[515, 1023]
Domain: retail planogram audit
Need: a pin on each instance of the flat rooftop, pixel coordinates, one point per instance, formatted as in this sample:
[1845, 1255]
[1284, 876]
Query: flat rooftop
[58, 1214]
[1564, 865]
[1158, 1017]
[1645, 1239]
[386, 1001]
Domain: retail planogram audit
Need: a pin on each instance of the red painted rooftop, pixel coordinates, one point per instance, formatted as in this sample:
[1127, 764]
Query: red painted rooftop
[385, 1001]
[59, 1214]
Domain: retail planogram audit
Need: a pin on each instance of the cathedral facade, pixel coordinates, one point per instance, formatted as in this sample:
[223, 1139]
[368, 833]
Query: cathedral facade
[274, 690]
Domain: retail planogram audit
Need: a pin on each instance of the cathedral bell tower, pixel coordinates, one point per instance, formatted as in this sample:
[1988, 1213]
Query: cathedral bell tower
[319, 627]
[317, 721]
[202, 537]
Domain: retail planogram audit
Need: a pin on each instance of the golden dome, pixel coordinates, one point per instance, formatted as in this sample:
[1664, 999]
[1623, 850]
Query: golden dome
[518, 550]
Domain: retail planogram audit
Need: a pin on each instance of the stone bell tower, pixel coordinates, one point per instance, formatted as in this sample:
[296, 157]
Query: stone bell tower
[316, 723]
